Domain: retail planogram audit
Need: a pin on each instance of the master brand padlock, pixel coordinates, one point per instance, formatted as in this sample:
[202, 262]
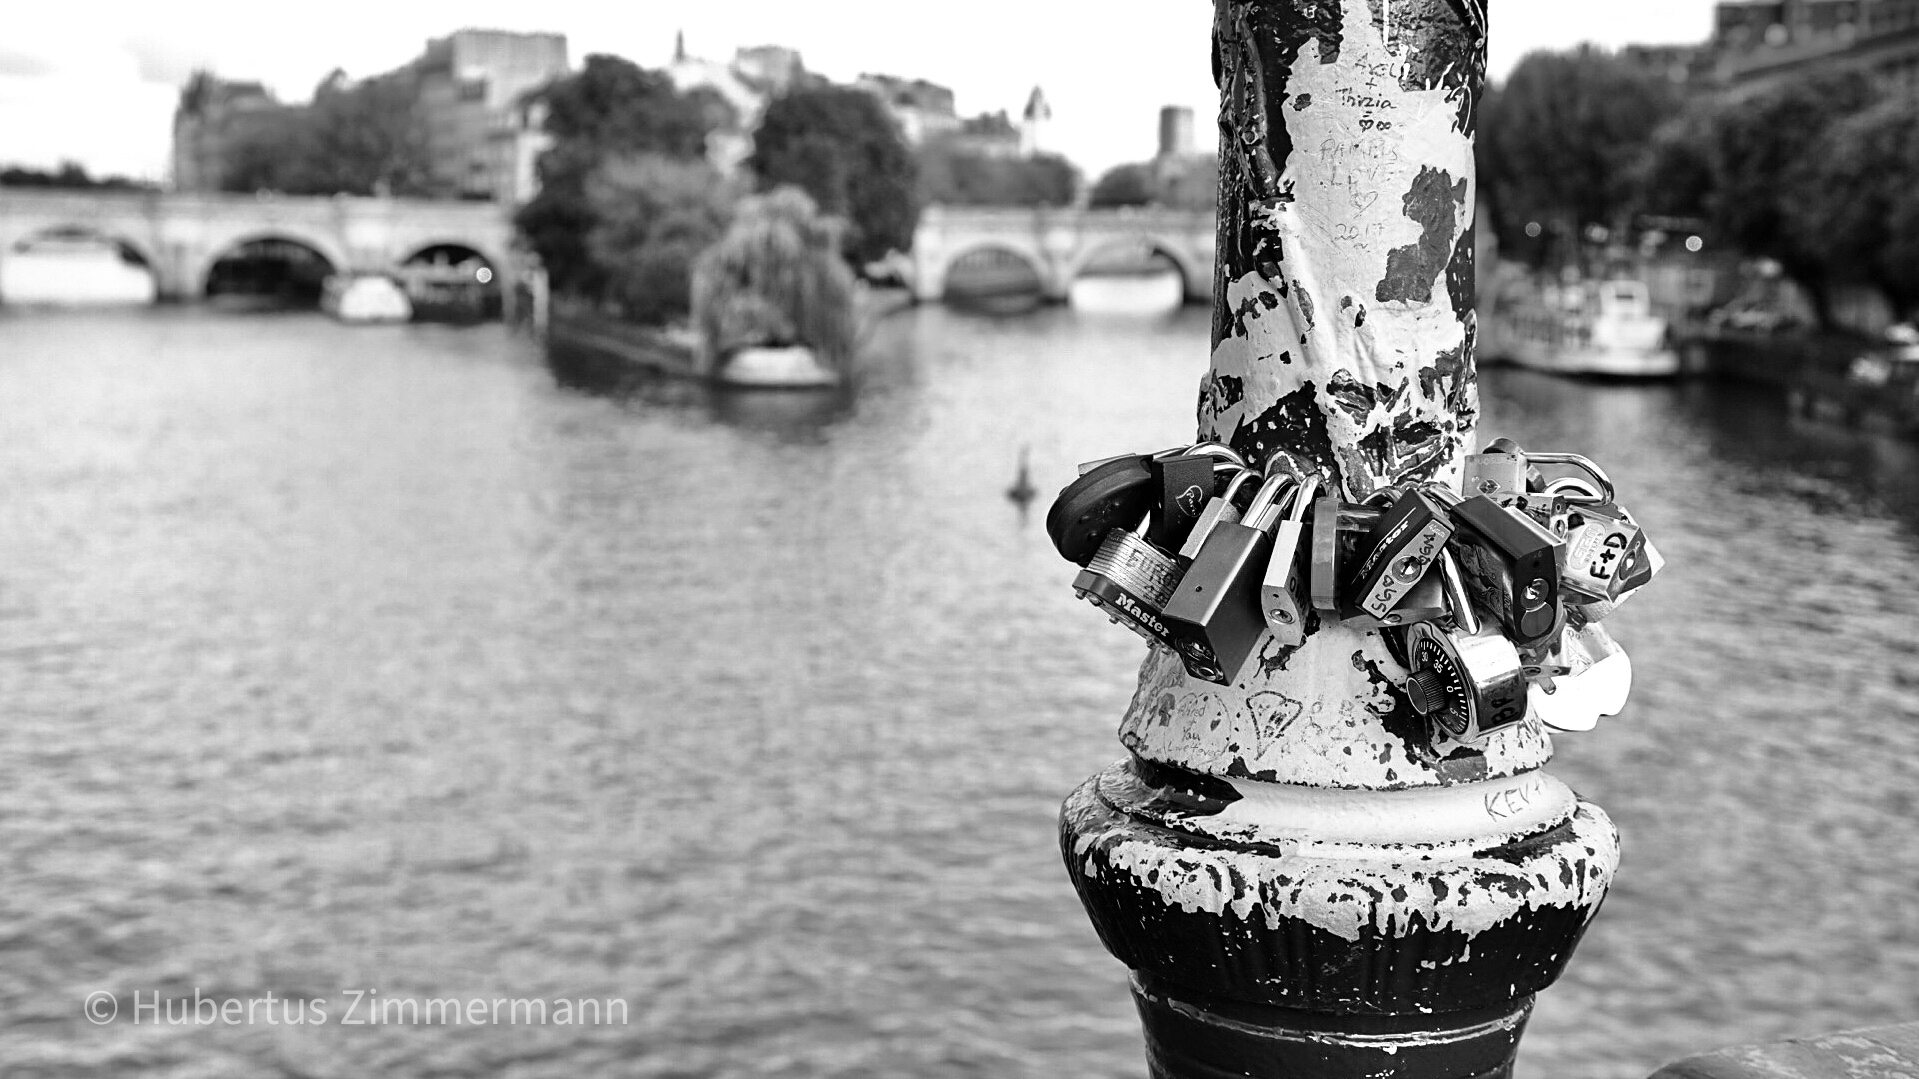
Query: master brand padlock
[1214, 616]
[1281, 597]
[1469, 685]
[1131, 580]
[1510, 566]
[1397, 551]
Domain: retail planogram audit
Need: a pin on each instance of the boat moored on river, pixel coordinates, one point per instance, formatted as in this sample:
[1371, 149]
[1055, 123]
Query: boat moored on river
[1604, 328]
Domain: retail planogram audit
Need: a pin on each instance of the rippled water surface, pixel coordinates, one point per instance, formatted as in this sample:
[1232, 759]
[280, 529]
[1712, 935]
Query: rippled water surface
[390, 660]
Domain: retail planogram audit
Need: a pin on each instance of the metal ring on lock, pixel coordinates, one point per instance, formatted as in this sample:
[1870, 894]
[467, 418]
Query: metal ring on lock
[1602, 481]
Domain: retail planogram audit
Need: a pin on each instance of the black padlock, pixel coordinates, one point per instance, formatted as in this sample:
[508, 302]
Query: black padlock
[1115, 493]
[1185, 484]
[1509, 563]
[1214, 615]
[1397, 551]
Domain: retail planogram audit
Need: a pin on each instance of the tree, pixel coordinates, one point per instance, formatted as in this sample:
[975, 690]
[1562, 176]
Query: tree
[841, 147]
[1122, 185]
[651, 216]
[776, 278]
[610, 109]
[952, 175]
[1762, 146]
[621, 108]
[1564, 140]
[364, 138]
[1853, 204]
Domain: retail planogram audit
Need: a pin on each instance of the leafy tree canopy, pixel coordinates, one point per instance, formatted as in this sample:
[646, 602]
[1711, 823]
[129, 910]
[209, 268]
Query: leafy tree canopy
[1565, 139]
[1123, 185]
[609, 110]
[952, 175]
[842, 148]
[651, 216]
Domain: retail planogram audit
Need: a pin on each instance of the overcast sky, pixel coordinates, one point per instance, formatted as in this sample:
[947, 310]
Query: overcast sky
[96, 80]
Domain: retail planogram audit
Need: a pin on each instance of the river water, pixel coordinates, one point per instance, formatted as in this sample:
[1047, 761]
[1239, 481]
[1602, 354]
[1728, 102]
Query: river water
[391, 662]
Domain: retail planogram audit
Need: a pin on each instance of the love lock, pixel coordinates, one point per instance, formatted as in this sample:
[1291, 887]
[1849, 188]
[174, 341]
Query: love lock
[1596, 682]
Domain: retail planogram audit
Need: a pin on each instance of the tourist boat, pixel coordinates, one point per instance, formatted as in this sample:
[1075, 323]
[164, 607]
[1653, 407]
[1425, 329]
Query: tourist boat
[365, 298]
[1601, 328]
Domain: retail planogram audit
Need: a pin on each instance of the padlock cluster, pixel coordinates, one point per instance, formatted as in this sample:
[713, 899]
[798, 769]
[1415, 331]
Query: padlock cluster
[1491, 595]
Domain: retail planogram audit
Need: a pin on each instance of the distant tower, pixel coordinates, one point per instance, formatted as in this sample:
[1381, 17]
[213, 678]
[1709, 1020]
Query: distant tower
[1175, 132]
[1032, 124]
[679, 46]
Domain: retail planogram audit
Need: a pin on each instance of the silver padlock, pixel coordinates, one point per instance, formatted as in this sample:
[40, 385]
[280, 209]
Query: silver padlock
[1280, 591]
[1131, 580]
[1470, 685]
[1223, 508]
[1498, 472]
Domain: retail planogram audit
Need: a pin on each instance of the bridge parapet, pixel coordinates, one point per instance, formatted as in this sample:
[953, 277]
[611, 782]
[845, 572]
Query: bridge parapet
[180, 235]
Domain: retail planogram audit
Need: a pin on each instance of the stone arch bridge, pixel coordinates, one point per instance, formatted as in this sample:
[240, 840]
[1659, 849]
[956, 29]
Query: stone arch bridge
[1059, 243]
[181, 236]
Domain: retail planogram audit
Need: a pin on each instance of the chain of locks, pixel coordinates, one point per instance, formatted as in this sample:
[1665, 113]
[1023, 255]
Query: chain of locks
[1492, 598]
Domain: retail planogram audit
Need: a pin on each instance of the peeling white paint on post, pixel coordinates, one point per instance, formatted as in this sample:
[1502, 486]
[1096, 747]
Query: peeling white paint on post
[1342, 344]
[1300, 881]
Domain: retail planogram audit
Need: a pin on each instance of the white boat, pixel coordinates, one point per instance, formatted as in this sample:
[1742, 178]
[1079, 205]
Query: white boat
[783, 367]
[1605, 328]
[365, 298]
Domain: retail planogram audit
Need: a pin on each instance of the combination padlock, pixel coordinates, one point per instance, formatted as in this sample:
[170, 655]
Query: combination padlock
[1131, 580]
[1469, 684]
[1281, 596]
[1398, 550]
[1510, 566]
[1213, 616]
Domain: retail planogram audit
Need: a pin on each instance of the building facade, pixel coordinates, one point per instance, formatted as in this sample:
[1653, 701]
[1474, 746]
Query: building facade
[742, 88]
[481, 135]
[214, 117]
[1755, 40]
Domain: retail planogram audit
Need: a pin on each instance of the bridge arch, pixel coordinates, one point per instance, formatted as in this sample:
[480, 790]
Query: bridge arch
[1195, 279]
[126, 241]
[31, 272]
[414, 248]
[1011, 252]
[228, 246]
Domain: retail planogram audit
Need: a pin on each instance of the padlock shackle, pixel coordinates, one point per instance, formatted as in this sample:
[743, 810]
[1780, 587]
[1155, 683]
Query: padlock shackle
[1584, 464]
[1268, 496]
[1302, 498]
[1457, 597]
[1240, 480]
